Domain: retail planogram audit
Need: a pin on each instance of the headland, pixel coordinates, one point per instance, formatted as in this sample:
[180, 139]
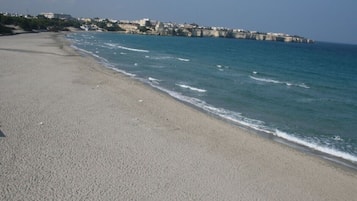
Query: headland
[14, 23]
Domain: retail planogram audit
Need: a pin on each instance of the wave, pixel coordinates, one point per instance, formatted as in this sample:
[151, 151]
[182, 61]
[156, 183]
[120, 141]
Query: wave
[123, 72]
[315, 146]
[83, 50]
[166, 57]
[183, 59]
[126, 48]
[266, 80]
[191, 88]
[161, 57]
[154, 80]
[220, 67]
[302, 85]
[258, 125]
[103, 61]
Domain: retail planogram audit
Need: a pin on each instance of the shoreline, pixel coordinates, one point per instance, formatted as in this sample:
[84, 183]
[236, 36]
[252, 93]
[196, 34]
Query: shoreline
[74, 129]
[334, 159]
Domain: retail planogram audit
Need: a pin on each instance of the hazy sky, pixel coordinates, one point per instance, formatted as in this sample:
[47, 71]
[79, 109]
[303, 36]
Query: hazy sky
[322, 20]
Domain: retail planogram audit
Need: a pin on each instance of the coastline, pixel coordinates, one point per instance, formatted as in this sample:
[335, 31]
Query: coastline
[341, 158]
[76, 129]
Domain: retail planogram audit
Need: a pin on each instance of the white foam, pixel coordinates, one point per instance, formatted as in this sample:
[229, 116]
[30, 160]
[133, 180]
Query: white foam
[110, 44]
[303, 85]
[257, 125]
[87, 52]
[123, 72]
[337, 138]
[219, 66]
[226, 114]
[161, 57]
[126, 48]
[104, 62]
[183, 59]
[191, 88]
[266, 80]
[132, 49]
[314, 146]
[154, 80]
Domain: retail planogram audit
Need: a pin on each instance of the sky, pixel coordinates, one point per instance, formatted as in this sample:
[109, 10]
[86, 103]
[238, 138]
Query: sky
[320, 20]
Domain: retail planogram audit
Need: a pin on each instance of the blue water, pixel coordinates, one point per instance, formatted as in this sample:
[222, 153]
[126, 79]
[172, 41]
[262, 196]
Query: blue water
[304, 93]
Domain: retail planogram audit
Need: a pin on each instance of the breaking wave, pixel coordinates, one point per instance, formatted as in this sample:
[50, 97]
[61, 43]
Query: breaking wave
[183, 59]
[257, 125]
[103, 61]
[154, 80]
[267, 80]
[125, 48]
[191, 88]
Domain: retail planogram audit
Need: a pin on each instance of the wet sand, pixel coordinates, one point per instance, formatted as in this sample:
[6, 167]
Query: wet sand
[71, 129]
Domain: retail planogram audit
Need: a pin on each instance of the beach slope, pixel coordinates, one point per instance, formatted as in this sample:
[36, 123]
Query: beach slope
[71, 129]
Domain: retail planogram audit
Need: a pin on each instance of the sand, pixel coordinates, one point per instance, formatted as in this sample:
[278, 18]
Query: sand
[71, 129]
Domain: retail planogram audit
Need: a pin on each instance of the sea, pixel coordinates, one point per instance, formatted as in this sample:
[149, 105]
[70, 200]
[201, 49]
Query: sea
[304, 95]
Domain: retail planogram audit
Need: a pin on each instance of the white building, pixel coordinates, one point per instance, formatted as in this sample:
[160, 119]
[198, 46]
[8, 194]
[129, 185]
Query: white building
[159, 26]
[145, 22]
[57, 16]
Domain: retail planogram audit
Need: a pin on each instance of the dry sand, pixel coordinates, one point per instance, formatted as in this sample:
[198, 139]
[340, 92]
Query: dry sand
[73, 130]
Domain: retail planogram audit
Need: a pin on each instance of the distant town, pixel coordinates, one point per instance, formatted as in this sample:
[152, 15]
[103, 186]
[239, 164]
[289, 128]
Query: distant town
[16, 23]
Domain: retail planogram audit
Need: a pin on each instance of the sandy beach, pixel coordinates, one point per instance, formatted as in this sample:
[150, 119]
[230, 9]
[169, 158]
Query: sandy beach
[71, 129]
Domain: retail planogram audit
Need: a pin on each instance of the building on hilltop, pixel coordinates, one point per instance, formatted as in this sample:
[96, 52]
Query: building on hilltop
[159, 27]
[57, 16]
[86, 20]
[145, 22]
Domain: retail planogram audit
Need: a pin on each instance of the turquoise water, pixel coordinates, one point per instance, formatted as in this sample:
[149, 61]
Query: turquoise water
[304, 93]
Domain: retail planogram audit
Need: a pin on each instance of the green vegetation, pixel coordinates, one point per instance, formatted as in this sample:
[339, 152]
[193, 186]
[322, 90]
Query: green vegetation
[5, 30]
[114, 28]
[41, 23]
[35, 23]
[107, 25]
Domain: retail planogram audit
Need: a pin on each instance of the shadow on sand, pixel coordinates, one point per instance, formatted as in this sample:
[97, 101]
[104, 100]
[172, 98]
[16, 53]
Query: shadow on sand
[37, 52]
